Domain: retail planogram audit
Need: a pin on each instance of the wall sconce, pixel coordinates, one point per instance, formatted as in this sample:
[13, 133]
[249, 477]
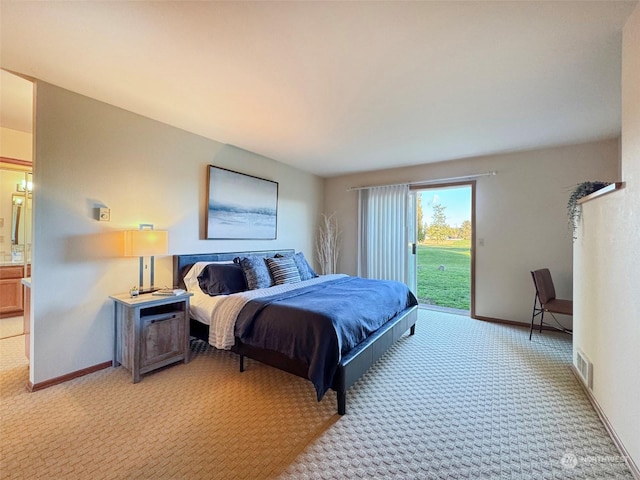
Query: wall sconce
[25, 185]
[146, 242]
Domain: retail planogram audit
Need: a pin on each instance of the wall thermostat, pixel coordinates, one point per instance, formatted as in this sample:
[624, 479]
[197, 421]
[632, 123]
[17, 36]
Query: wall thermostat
[104, 214]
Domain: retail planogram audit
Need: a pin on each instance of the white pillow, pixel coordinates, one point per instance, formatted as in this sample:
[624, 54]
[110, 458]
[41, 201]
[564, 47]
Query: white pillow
[191, 278]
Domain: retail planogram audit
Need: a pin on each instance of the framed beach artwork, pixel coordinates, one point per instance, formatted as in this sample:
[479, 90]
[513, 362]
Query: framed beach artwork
[240, 206]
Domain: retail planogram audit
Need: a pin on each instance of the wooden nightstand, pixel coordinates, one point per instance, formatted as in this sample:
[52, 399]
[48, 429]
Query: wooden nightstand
[150, 331]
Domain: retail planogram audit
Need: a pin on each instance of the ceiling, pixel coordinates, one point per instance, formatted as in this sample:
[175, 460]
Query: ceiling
[339, 87]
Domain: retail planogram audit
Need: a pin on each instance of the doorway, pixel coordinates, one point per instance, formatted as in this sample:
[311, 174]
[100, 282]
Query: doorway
[444, 237]
[16, 221]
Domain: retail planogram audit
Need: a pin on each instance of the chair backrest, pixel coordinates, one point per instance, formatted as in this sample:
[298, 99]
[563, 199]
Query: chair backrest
[544, 285]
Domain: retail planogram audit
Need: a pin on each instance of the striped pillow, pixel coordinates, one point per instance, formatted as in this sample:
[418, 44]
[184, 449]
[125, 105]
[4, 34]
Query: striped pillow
[283, 270]
[304, 269]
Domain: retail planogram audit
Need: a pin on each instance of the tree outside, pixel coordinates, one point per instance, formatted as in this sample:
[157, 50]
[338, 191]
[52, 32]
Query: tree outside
[422, 228]
[464, 232]
[438, 230]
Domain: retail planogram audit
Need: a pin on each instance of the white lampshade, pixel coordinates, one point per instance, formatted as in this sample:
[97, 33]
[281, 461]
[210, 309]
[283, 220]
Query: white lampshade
[146, 243]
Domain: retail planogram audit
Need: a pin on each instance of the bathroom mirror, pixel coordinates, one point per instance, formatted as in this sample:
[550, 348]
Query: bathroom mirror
[18, 204]
[15, 216]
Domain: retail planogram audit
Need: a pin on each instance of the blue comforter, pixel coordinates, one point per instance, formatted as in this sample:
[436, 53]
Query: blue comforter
[319, 323]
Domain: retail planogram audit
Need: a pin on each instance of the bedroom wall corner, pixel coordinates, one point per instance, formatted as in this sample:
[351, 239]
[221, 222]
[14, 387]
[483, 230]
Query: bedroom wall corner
[89, 153]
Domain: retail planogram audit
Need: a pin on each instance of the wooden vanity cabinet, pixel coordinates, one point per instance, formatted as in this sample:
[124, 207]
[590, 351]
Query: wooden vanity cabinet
[11, 290]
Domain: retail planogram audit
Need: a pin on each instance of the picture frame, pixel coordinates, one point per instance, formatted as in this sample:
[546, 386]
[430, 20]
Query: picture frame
[240, 206]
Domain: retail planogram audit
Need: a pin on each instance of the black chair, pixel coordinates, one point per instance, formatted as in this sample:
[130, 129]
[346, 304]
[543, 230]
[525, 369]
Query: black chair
[546, 301]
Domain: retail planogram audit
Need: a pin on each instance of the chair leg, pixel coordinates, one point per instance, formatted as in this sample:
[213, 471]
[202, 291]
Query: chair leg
[531, 329]
[541, 319]
[533, 315]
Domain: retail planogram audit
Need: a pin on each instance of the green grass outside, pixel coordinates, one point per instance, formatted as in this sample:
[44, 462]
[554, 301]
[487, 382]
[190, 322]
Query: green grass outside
[449, 286]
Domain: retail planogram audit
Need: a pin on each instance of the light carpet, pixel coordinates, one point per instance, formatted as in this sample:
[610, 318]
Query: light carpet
[11, 326]
[462, 399]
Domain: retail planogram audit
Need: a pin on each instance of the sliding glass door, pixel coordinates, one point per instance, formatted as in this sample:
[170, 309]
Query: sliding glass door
[441, 254]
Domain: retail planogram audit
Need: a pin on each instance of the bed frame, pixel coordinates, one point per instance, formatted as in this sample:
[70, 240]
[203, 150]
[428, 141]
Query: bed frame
[352, 365]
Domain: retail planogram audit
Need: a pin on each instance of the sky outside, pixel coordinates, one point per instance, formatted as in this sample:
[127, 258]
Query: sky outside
[456, 199]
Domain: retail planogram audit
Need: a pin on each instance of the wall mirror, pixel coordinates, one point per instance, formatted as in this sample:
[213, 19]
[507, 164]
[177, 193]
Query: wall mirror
[18, 202]
[15, 216]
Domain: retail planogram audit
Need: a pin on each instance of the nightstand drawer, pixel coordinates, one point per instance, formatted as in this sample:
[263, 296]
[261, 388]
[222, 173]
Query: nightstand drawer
[163, 337]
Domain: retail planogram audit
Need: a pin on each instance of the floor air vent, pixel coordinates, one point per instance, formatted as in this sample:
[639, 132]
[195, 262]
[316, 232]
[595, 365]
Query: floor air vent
[585, 369]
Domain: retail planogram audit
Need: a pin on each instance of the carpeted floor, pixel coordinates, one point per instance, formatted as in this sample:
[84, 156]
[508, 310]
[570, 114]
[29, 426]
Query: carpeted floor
[461, 399]
[11, 326]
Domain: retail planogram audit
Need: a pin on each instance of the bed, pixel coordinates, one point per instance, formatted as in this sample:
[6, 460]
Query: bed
[332, 360]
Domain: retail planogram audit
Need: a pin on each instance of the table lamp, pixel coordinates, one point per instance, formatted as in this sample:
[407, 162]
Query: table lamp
[146, 242]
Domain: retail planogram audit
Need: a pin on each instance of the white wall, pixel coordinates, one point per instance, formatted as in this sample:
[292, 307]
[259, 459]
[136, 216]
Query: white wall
[91, 154]
[607, 265]
[15, 144]
[520, 215]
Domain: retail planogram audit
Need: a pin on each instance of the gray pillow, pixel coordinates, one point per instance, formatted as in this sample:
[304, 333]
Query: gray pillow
[255, 271]
[306, 272]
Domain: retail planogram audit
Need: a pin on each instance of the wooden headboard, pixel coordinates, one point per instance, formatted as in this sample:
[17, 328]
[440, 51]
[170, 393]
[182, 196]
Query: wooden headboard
[182, 263]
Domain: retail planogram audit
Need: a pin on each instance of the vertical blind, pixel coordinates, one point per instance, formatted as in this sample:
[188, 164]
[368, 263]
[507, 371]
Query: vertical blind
[382, 232]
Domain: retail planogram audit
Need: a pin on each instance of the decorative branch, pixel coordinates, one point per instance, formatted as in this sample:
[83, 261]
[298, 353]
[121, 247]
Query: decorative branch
[328, 244]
